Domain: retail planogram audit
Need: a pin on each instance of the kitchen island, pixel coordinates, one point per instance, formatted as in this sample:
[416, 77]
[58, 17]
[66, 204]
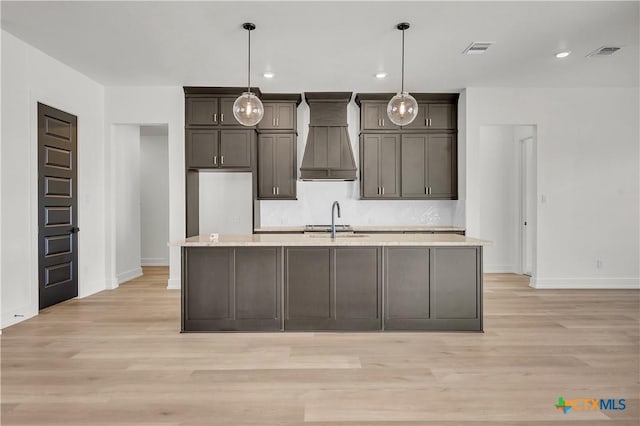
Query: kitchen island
[312, 282]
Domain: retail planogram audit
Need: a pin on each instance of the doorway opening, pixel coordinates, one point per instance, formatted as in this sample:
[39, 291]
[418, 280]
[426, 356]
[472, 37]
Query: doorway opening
[508, 198]
[140, 194]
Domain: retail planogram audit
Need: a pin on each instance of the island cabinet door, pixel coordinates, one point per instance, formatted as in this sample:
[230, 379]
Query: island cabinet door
[333, 288]
[231, 289]
[456, 288]
[407, 288]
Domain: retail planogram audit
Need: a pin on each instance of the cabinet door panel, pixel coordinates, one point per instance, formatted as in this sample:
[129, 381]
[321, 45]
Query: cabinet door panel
[421, 119]
[407, 283]
[285, 166]
[454, 279]
[440, 168]
[202, 111]
[357, 283]
[202, 148]
[371, 116]
[286, 116]
[441, 116]
[370, 165]
[266, 162]
[308, 284]
[209, 292]
[235, 148]
[390, 166]
[269, 119]
[256, 286]
[226, 112]
[413, 166]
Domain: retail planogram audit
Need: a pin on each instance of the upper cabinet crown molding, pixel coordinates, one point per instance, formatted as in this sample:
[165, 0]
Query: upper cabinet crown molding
[282, 97]
[420, 97]
[218, 91]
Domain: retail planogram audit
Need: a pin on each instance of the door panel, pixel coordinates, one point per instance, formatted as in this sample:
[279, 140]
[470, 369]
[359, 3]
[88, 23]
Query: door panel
[202, 111]
[441, 116]
[57, 206]
[235, 148]
[390, 166]
[257, 283]
[284, 171]
[371, 116]
[266, 161]
[286, 116]
[370, 165]
[209, 296]
[421, 119]
[357, 283]
[454, 280]
[407, 277]
[203, 148]
[308, 284]
[226, 112]
[439, 166]
[413, 166]
[269, 119]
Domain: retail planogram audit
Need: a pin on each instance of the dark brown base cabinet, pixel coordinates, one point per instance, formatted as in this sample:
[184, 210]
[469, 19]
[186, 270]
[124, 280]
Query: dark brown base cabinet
[231, 289]
[433, 288]
[331, 288]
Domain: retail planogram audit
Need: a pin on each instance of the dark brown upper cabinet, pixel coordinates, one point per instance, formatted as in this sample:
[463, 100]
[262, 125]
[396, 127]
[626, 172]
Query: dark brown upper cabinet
[277, 166]
[437, 116]
[278, 116]
[202, 111]
[429, 166]
[380, 166]
[226, 113]
[211, 149]
[373, 116]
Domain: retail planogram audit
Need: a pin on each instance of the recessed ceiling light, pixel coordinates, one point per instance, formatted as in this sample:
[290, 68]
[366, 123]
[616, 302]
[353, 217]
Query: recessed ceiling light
[564, 54]
[268, 74]
[381, 75]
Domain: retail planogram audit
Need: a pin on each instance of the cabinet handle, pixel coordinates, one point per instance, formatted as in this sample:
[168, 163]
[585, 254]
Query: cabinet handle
[425, 191]
[215, 160]
[426, 122]
[379, 122]
[273, 190]
[222, 117]
[277, 190]
[273, 122]
[383, 190]
[221, 160]
[429, 122]
[429, 193]
[277, 122]
[383, 126]
[378, 187]
[215, 117]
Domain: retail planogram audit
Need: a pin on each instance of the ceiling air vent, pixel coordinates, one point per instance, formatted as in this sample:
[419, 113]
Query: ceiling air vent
[604, 51]
[477, 47]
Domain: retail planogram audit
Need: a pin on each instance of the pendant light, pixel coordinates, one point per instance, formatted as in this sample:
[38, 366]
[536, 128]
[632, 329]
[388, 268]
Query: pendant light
[248, 109]
[402, 108]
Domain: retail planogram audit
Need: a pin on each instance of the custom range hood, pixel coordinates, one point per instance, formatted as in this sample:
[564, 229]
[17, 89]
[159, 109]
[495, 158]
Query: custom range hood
[328, 155]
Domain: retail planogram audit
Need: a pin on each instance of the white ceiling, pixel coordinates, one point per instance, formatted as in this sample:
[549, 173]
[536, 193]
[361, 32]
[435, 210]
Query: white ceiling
[335, 45]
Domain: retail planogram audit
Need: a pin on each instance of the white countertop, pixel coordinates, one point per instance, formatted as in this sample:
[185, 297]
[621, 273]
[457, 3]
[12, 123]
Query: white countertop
[358, 228]
[301, 240]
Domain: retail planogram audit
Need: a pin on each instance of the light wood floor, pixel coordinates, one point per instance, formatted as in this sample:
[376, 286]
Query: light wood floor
[117, 358]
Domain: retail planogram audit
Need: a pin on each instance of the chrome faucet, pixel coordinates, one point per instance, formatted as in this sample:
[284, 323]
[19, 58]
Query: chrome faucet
[333, 218]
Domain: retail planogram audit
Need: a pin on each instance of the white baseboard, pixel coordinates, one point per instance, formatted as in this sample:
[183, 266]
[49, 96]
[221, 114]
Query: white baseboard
[15, 316]
[154, 261]
[499, 269]
[129, 275]
[586, 283]
[174, 284]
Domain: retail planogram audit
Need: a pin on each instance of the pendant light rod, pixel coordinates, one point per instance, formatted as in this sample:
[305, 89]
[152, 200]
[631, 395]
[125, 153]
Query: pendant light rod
[249, 27]
[403, 26]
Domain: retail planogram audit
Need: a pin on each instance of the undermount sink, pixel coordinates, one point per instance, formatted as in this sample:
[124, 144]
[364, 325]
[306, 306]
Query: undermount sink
[338, 235]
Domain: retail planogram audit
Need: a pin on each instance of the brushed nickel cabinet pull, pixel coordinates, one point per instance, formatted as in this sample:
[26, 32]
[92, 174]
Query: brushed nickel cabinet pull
[222, 117]
[277, 122]
[277, 190]
[429, 191]
[383, 190]
[273, 122]
[215, 160]
[425, 190]
[426, 122]
[215, 117]
[273, 190]
[221, 159]
[383, 126]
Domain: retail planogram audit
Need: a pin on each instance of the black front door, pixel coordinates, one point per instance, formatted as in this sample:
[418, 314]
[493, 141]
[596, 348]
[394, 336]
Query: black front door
[57, 206]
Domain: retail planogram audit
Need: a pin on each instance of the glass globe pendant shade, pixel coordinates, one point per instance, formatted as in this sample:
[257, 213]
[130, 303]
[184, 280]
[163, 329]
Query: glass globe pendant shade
[402, 109]
[248, 109]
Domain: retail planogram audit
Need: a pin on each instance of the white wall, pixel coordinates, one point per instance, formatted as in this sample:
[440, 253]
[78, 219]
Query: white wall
[154, 195]
[587, 179]
[313, 205]
[150, 105]
[225, 201]
[499, 202]
[126, 140]
[28, 77]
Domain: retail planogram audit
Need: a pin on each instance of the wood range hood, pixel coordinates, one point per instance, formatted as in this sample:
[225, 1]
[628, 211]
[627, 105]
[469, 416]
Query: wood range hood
[328, 155]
